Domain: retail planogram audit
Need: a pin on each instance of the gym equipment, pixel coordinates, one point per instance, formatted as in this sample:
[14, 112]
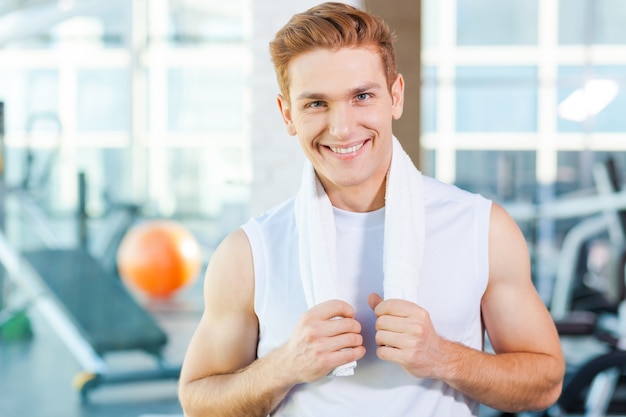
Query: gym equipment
[16, 326]
[86, 305]
[609, 221]
[92, 312]
[596, 387]
[2, 202]
[14, 321]
[159, 257]
[2, 156]
[593, 388]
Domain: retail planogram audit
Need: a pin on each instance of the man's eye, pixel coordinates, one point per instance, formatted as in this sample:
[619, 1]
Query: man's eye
[315, 104]
[362, 96]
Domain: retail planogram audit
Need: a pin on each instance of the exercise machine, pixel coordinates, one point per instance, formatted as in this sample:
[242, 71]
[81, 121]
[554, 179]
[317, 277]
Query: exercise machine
[596, 387]
[90, 310]
[87, 305]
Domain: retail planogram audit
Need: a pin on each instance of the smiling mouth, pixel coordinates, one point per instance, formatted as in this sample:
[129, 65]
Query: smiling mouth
[344, 151]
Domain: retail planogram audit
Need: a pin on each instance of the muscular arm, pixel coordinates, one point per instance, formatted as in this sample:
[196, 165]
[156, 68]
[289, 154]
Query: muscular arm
[527, 369]
[221, 375]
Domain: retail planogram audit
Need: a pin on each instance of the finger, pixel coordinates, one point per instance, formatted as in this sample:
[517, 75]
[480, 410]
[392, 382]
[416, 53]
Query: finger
[344, 341]
[340, 325]
[395, 307]
[389, 353]
[373, 300]
[344, 356]
[391, 339]
[393, 324]
[331, 309]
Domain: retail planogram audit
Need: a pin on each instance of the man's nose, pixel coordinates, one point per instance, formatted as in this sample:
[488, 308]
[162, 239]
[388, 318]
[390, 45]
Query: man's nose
[341, 121]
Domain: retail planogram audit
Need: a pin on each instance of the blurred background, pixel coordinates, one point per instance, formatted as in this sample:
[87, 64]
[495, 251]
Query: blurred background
[118, 113]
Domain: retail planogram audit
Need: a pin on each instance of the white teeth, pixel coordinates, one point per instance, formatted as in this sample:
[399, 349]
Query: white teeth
[346, 150]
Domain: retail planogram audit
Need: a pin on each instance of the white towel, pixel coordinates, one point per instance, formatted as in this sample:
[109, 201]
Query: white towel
[402, 248]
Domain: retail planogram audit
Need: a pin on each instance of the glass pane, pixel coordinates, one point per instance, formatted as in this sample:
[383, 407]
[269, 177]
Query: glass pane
[209, 183]
[499, 175]
[496, 99]
[429, 99]
[573, 26]
[194, 22]
[106, 27]
[11, 86]
[42, 139]
[103, 102]
[608, 119]
[206, 100]
[31, 103]
[29, 96]
[97, 25]
[42, 92]
[586, 22]
[430, 23]
[574, 169]
[496, 22]
[108, 174]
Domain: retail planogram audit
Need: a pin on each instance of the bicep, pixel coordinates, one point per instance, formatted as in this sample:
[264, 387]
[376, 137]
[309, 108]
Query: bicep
[515, 317]
[226, 337]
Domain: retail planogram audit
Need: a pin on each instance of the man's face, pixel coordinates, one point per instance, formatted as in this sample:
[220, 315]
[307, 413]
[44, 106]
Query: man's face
[341, 110]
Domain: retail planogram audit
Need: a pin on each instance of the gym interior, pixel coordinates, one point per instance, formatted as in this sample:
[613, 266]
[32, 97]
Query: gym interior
[136, 134]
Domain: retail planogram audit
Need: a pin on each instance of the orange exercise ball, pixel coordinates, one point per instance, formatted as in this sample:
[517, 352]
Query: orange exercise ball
[159, 257]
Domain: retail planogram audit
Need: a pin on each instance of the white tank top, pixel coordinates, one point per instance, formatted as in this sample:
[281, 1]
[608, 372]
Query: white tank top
[453, 280]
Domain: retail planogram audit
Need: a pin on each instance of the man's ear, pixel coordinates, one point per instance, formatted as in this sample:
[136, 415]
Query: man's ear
[397, 97]
[285, 112]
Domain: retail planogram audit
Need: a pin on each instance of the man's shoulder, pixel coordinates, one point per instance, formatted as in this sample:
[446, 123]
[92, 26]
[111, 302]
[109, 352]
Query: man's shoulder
[278, 212]
[272, 229]
[438, 193]
[273, 220]
[437, 188]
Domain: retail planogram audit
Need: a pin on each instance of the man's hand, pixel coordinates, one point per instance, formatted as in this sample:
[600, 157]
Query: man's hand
[405, 335]
[321, 342]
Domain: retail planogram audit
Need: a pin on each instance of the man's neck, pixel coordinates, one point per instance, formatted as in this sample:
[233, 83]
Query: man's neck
[358, 199]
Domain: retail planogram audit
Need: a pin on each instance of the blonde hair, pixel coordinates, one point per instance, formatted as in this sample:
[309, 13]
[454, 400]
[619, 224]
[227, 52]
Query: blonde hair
[331, 26]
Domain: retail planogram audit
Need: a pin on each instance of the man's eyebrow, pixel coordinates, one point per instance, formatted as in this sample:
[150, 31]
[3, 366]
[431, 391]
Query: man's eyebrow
[309, 95]
[363, 88]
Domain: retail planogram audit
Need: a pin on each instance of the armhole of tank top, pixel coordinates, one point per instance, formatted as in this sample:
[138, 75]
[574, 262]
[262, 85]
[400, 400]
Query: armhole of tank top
[252, 230]
[483, 216]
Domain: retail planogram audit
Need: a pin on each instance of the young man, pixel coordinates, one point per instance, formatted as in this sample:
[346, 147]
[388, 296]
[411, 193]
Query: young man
[294, 299]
